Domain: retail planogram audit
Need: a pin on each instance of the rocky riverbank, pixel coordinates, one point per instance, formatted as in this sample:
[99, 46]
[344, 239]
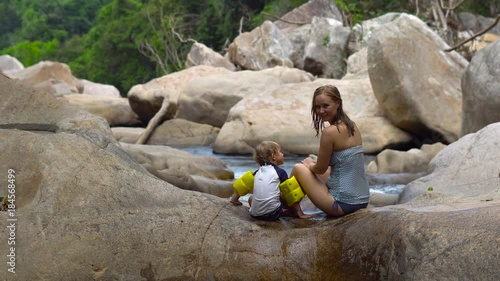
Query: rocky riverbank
[91, 206]
[86, 210]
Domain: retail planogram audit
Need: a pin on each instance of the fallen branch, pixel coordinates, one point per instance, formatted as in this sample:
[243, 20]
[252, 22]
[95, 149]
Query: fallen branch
[241, 25]
[287, 21]
[153, 123]
[476, 35]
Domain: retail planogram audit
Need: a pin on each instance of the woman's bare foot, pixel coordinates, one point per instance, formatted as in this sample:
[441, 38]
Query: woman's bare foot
[290, 212]
[304, 216]
[298, 211]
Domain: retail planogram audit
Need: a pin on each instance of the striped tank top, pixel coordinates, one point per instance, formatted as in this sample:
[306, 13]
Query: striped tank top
[347, 181]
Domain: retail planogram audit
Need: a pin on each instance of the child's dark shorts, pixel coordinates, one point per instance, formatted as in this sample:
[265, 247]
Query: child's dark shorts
[272, 216]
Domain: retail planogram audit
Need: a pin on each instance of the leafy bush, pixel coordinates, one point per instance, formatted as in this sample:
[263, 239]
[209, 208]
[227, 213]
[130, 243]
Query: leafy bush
[30, 53]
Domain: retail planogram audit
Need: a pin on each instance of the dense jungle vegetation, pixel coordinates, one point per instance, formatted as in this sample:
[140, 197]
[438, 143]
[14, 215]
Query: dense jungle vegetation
[127, 42]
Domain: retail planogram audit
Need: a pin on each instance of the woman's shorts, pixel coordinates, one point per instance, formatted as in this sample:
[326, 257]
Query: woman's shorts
[272, 216]
[348, 208]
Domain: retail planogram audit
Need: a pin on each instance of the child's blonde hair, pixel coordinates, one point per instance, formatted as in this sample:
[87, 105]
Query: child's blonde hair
[264, 151]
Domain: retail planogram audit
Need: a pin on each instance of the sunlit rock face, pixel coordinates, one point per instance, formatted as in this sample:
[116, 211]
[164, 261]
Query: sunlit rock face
[415, 81]
[480, 84]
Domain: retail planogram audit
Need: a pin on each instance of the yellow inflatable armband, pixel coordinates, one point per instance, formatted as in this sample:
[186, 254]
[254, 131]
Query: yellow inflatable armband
[244, 184]
[291, 191]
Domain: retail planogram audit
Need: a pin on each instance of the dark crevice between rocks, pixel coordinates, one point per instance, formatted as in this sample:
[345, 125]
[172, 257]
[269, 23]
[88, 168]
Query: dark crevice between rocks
[47, 128]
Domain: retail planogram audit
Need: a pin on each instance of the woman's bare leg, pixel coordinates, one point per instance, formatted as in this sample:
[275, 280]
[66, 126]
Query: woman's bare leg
[315, 188]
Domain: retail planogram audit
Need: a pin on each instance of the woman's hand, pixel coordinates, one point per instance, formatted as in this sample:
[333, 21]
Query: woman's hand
[309, 162]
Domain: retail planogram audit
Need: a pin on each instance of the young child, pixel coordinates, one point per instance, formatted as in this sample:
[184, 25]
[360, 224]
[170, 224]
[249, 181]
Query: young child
[266, 202]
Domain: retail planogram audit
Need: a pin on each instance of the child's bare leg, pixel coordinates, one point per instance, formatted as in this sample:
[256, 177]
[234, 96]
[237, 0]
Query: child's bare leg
[235, 199]
[288, 212]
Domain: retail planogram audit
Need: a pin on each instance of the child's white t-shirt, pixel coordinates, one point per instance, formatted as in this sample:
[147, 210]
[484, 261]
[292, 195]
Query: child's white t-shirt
[266, 192]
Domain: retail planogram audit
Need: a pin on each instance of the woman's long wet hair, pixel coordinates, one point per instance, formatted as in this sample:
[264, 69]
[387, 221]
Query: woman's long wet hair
[340, 117]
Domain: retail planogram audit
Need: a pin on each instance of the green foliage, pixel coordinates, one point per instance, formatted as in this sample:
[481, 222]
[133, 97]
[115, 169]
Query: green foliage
[357, 11]
[35, 26]
[161, 41]
[110, 52]
[9, 22]
[44, 20]
[70, 49]
[41, 20]
[30, 53]
[326, 41]
[219, 20]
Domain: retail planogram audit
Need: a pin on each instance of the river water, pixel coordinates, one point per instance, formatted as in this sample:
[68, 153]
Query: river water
[239, 164]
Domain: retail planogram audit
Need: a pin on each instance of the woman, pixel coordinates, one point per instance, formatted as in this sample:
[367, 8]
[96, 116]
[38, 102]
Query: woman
[345, 189]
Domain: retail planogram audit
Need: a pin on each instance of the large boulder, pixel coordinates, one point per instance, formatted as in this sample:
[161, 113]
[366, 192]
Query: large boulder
[305, 13]
[299, 37]
[199, 54]
[146, 99]
[10, 64]
[413, 161]
[192, 172]
[173, 132]
[480, 84]
[415, 81]
[378, 132]
[127, 134]
[476, 23]
[116, 110]
[326, 49]
[180, 132]
[53, 77]
[268, 115]
[97, 89]
[28, 109]
[357, 65]
[263, 47]
[363, 32]
[207, 100]
[392, 161]
[466, 170]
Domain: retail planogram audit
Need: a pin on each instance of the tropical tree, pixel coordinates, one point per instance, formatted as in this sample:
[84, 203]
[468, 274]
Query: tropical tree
[163, 39]
[111, 55]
